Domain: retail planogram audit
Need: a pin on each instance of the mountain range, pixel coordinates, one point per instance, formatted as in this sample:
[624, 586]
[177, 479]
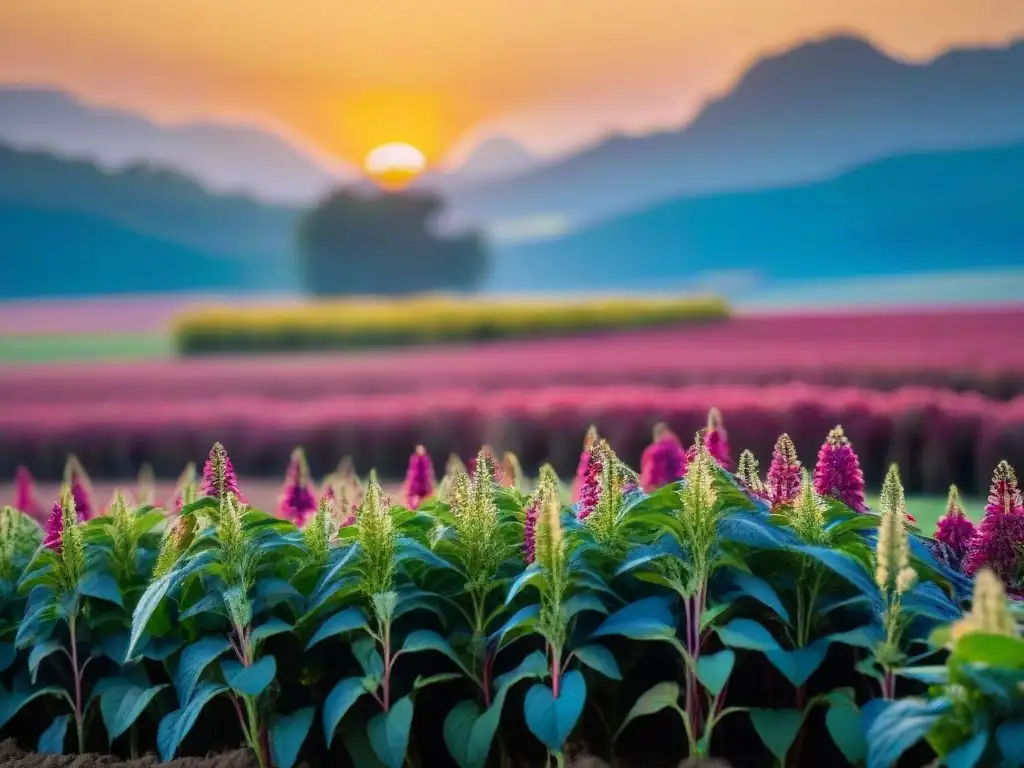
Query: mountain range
[807, 113]
[913, 214]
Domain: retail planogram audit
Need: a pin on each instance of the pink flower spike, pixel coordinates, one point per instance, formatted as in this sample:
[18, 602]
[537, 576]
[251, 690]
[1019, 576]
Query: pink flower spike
[298, 499]
[663, 461]
[838, 474]
[783, 483]
[419, 479]
[219, 478]
[589, 441]
[54, 528]
[954, 529]
[999, 541]
[24, 494]
[530, 531]
[590, 491]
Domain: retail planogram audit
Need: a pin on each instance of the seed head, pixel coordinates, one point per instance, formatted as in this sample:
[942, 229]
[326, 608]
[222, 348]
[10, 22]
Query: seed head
[219, 478]
[511, 471]
[808, 515]
[893, 573]
[990, 611]
[375, 532]
[749, 473]
[783, 483]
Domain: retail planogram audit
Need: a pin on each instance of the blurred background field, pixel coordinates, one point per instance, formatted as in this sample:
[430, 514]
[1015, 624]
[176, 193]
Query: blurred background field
[819, 223]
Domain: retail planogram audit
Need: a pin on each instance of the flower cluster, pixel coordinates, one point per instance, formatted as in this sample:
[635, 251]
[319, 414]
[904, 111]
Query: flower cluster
[783, 483]
[589, 440]
[298, 497]
[547, 487]
[24, 494]
[77, 480]
[717, 441]
[955, 530]
[663, 461]
[219, 478]
[590, 488]
[838, 473]
[749, 474]
[997, 544]
[419, 479]
[893, 573]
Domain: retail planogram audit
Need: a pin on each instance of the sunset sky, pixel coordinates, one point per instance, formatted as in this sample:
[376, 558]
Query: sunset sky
[347, 75]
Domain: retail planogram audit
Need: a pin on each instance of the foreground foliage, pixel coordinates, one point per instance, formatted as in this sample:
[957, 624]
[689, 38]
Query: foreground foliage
[489, 622]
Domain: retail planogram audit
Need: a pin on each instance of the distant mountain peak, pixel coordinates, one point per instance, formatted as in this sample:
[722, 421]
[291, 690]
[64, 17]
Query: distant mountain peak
[496, 156]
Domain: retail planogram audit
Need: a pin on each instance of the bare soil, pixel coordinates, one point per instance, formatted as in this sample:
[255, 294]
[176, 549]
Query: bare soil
[13, 757]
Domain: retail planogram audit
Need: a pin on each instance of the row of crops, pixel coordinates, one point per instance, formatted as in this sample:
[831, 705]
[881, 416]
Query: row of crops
[484, 620]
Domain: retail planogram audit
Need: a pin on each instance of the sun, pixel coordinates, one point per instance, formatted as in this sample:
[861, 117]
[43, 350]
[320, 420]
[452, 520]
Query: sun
[394, 164]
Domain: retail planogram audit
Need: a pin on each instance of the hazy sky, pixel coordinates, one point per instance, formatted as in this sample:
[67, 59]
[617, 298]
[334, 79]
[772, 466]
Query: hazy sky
[350, 74]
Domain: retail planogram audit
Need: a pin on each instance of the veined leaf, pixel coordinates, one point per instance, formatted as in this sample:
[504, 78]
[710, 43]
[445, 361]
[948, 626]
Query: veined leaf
[101, 586]
[552, 719]
[287, 734]
[713, 670]
[121, 705]
[760, 590]
[777, 728]
[251, 680]
[12, 701]
[654, 699]
[174, 727]
[747, 634]
[647, 619]
[389, 733]
[51, 742]
[194, 659]
[339, 701]
[427, 640]
[39, 653]
[346, 621]
[600, 659]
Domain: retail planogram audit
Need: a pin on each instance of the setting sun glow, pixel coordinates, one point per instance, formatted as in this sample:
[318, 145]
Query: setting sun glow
[394, 164]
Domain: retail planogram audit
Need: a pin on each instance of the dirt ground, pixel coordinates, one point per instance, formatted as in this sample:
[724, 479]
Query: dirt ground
[12, 757]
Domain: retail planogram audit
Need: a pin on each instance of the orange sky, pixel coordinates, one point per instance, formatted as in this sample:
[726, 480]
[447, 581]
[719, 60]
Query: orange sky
[350, 74]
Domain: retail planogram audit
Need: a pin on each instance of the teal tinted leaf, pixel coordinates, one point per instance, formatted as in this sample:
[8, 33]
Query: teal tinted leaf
[898, 726]
[410, 549]
[148, 603]
[759, 590]
[339, 701]
[251, 680]
[51, 742]
[647, 619]
[531, 573]
[121, 706]
[458, 734]
[551, 720]
[357, 743]
[777, 728]
[755, 531]
[39, 653]
[389, 733]
[600, 659]
[338, 560]
[37, 626]
[212, 603]
[12, 701]
[867, 637]
[101, 586]
[115, 646]
[427, 640]
[269, 628]
[8, 654]
[369, 658]
[800, 663]
[534, 665]
[844, 566]
[417, 600]
[652, 700]
[521, 618]
[747, 634]
[159, 648]
[843, 721]
[713, 670]
[579, 603]
[1010, 738]
[174, 726]
[287, 734]
[346, 621]
[643, 554]
[274, 591]
[927, 599]
[969, 753]
[194, 659]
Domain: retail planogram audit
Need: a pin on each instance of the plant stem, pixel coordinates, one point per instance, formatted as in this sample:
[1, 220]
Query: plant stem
[386, 683]
[556, 670]
[888, 684]
[79, 721]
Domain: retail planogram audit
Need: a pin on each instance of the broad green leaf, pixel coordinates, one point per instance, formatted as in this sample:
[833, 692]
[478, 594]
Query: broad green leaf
[992, 650]
[174, 726]
[212, 603]
[754, 530]
[251, 680]
[528, 576]
[194, 659]
[552, 719]
[899, 726]
[427, 640]
[713, 670]
[346, 621]
[12, 701]
[654, 699]
[121, 706]
[147, 606]
[534, 665]
[760, 590]
[389, 732]
[747, 634]
[777, 728]
[969, 753]
[843, 721]
[844, 566]
[287, 734]
[339, 701]
[600, 659]
[51, 742]
[101, 586]
[39, 653]
[369, 658]
[521, 618]
[267, 629]
[579, 603]
[1010, 738]
[800, 663]
[647, 619]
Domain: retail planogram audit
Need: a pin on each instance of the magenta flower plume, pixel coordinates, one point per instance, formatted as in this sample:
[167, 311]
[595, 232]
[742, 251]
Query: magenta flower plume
[219, 478]
[589, 441]
[530, 531]
[783, 483]
[24, 494]
[663, 461]
[838, 473]
[298, 498]
[999, 541]
[419, 479]
[716, 439]
[590, 490]
[954, 528]
[54, 528]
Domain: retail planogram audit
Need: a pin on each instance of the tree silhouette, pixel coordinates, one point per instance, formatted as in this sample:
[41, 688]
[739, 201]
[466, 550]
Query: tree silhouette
[355, 242]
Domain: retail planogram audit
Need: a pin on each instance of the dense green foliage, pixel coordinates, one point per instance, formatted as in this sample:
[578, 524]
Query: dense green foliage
[516, 628]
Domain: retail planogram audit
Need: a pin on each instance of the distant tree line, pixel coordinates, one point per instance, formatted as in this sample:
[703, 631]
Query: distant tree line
[359, 242]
